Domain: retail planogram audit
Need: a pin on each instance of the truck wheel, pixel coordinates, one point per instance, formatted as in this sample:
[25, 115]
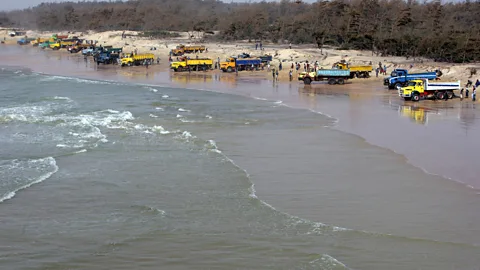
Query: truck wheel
[179, 69]
[450, 94]
[415, 97]
[341, 81]
[331, 81]
[367, 75]
[439, 95]
[397, 85]
[307, 81]
[229, 69]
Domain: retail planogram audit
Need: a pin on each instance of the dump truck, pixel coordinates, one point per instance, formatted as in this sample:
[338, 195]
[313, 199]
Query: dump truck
[64, 44]
[46, 44]
[182, 49]
[424, 88]
[196, 64]
[107, 58]
[265, 58]
[137, 59]
[400, 77]
[333, 76]
[39, 41]
[355, 71]
[25, 41]
[235, 64]
[79, 47]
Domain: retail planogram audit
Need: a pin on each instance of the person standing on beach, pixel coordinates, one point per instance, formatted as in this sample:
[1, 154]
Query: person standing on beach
[280, 66]
[290, 74]
[276, 75]
[376, 72]
[474, 94]
[256, 46]
[273, 74]
[290, 47]
[461, 94]
[466, 93]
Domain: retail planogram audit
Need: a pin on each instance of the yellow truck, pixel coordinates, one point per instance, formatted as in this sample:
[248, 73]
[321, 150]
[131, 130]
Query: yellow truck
[196, 64]
[137, 59]
[39, 41]
[62, 44]
[302, 75]
[355, 71]
[182, 49]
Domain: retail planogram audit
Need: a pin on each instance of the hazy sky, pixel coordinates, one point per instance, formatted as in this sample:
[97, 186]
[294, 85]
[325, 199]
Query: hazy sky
[20, 4]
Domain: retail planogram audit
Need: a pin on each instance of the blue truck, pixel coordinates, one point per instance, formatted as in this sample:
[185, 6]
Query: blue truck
[25, 41]
[333, 76]
[106, 58]
[400, 77]
[233, 64]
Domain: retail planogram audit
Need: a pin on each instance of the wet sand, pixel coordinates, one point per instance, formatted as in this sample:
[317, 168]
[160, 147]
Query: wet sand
[441, 137]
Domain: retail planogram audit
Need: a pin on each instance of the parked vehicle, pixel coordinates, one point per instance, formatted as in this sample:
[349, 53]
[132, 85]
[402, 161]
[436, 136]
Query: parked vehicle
[25, 41]
[265, 58]
[182, 49]
[235, 64]
[355, 71]
[400, 77]
[422, 89]
[196, 64]
[333, 76]
[106, 58]
[137, 59]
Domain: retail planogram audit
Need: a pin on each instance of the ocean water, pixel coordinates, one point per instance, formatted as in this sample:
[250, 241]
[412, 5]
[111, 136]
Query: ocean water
[105, 175]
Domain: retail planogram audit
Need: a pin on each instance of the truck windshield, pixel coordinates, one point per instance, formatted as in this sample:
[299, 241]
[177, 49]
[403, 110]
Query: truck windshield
[412, 83]
[394, 74]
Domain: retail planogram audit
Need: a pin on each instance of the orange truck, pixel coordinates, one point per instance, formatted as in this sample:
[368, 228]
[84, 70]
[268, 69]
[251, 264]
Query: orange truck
[183, 49]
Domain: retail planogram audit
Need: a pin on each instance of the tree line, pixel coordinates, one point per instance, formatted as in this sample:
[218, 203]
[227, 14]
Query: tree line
[447, 32]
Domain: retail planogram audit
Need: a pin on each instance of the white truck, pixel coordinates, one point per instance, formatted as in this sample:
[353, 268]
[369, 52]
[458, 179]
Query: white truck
[423, 89]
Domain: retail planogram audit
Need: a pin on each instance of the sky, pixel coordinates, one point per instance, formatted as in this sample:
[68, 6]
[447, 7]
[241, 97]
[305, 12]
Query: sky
[21, 4]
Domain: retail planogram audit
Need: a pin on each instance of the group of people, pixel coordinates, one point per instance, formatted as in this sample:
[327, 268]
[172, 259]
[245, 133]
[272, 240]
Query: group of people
[467, 91]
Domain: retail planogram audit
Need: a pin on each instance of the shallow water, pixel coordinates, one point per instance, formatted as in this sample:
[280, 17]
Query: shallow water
[119, 175]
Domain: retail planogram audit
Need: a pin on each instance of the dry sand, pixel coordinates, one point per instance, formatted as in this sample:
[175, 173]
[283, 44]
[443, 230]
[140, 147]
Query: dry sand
[280, 53]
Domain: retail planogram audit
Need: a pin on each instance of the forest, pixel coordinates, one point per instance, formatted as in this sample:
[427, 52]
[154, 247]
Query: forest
[447, 32]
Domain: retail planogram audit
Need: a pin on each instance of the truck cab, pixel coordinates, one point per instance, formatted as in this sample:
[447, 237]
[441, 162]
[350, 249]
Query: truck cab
[228, 65]
[415, 86]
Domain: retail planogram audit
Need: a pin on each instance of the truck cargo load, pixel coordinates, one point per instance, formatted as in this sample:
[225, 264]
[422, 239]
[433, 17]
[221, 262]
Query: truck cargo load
[333, 76]
[235, 64]
[356, 71]
[137, 59]
[196, 64]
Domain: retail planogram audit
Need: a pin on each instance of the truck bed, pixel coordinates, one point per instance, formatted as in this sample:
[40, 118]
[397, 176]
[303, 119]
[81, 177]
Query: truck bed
[442, 86]
[333, 73]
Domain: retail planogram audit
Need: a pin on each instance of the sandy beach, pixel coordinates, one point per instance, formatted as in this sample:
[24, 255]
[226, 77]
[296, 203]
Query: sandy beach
[281, 53]
[360, 92]
[395, 182]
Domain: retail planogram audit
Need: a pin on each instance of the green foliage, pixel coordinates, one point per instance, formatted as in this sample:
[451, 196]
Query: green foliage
[445, 32]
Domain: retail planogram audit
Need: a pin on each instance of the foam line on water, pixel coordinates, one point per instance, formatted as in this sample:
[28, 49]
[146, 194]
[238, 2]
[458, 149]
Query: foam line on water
[316, 226]
[50, 161]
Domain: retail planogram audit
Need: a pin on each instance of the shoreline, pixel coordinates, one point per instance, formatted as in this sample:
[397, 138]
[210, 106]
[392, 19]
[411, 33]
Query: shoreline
[281, 53]
[216, 84]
